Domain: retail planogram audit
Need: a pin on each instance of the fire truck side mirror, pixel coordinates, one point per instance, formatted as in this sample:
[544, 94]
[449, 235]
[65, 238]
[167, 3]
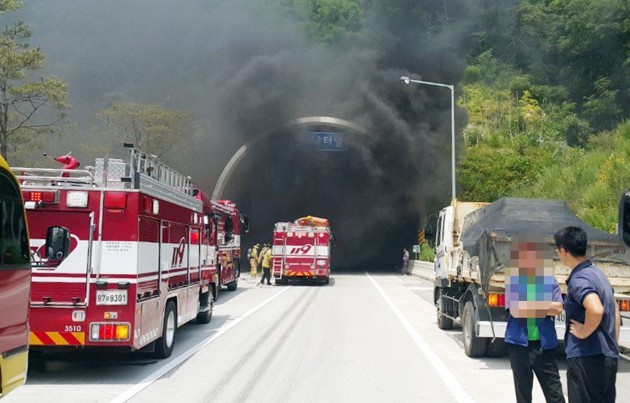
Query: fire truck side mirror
[57, 243]
[623, 225]
[215, 217]
[244, 224]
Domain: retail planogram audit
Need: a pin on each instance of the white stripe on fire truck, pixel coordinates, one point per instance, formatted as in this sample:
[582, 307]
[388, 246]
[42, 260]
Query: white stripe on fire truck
[139, 279]
[65, 279]
[58, 279]
[175, 273]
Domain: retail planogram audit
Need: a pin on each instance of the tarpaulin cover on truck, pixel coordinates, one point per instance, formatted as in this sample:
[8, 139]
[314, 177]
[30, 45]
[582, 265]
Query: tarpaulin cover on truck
[515, 218]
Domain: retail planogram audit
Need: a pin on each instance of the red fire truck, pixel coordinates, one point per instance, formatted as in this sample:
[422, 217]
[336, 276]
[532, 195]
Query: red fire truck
[142, 259]
[225, 226]
[301, 250]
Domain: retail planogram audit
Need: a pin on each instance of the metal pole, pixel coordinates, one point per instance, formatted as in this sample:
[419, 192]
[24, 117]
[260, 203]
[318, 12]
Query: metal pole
[408, 80]
[453, 139]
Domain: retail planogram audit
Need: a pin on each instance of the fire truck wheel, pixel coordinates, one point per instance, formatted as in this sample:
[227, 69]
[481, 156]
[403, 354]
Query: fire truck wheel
[232, 286]
[327, 280]
[164, 345]
[215, 292]
[207, 300]
[474, 346]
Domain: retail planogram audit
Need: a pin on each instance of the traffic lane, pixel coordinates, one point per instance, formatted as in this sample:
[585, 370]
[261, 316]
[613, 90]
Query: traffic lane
[424, 290]
[314, 343]
[102, 376]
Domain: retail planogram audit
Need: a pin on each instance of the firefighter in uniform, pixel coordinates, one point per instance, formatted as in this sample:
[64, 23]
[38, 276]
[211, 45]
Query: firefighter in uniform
[266, 265]
[261, 253]
[253, 260]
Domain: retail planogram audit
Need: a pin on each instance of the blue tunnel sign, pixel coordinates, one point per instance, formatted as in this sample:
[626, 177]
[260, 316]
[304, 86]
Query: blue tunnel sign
[327, 141]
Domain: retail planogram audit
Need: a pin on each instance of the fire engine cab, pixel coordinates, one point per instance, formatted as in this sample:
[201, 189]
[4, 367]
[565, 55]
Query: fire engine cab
[301, 250]
[142, 255]
[225, 224]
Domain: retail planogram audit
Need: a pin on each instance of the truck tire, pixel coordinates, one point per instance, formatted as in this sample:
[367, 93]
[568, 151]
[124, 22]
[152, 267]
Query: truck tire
[207, 300]
[215, 292]
[443, 322]
[496, 349]
[474, 346]
[164, 345]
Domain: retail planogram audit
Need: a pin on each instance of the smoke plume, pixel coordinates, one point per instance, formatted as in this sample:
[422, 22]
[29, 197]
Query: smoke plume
[243, 68]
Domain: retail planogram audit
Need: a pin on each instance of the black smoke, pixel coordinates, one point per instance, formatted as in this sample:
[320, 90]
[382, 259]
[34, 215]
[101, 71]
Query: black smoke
[243, 68]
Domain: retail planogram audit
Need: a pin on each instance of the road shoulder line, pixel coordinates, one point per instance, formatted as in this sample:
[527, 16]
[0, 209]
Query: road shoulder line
[449, 380]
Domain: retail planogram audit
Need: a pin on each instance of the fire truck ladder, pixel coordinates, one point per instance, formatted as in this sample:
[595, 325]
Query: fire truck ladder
[222, 207]
[38, 177]
[154, 177]
[280, 264]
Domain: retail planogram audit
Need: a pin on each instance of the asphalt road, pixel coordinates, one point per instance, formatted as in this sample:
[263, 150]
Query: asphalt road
[363, 338]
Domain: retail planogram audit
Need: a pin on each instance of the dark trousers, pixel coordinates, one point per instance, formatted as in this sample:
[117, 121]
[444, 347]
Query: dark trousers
[591, 379]
[267, 275]
[530, 360]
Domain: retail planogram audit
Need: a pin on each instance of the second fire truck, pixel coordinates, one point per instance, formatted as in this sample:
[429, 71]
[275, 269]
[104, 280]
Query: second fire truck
[145, 254]
[301, 250]
[224, 229]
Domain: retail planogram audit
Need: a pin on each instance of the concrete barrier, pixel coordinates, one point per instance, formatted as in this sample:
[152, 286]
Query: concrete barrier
[422, 269]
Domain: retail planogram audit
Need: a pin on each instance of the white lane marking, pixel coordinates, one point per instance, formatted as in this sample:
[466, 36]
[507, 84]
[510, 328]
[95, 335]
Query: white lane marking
[160, 372]
[456, 389]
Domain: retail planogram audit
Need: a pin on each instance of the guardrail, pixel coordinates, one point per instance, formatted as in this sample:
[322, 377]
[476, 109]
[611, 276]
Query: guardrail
[422, 269]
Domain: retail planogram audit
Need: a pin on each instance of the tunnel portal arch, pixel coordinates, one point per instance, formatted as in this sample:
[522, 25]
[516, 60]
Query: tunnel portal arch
[240, 154]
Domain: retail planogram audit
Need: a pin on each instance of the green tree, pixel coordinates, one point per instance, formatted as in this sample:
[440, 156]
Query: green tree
[601, 107]
[152, 128]
[591, 180]
[515, 129]
[427, 253]
[331, 20]
[28, 107]
[327, 21]
[582, 45]
[491, 171]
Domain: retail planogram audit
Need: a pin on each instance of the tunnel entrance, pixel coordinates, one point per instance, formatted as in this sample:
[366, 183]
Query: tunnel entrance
[324, 167]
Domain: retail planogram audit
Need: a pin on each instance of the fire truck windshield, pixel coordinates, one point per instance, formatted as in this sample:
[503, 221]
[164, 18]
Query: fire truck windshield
[14, 249]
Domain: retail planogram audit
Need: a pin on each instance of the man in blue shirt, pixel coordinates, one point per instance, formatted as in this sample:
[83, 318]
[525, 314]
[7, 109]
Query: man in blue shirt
[593, 322]
[530, 335]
